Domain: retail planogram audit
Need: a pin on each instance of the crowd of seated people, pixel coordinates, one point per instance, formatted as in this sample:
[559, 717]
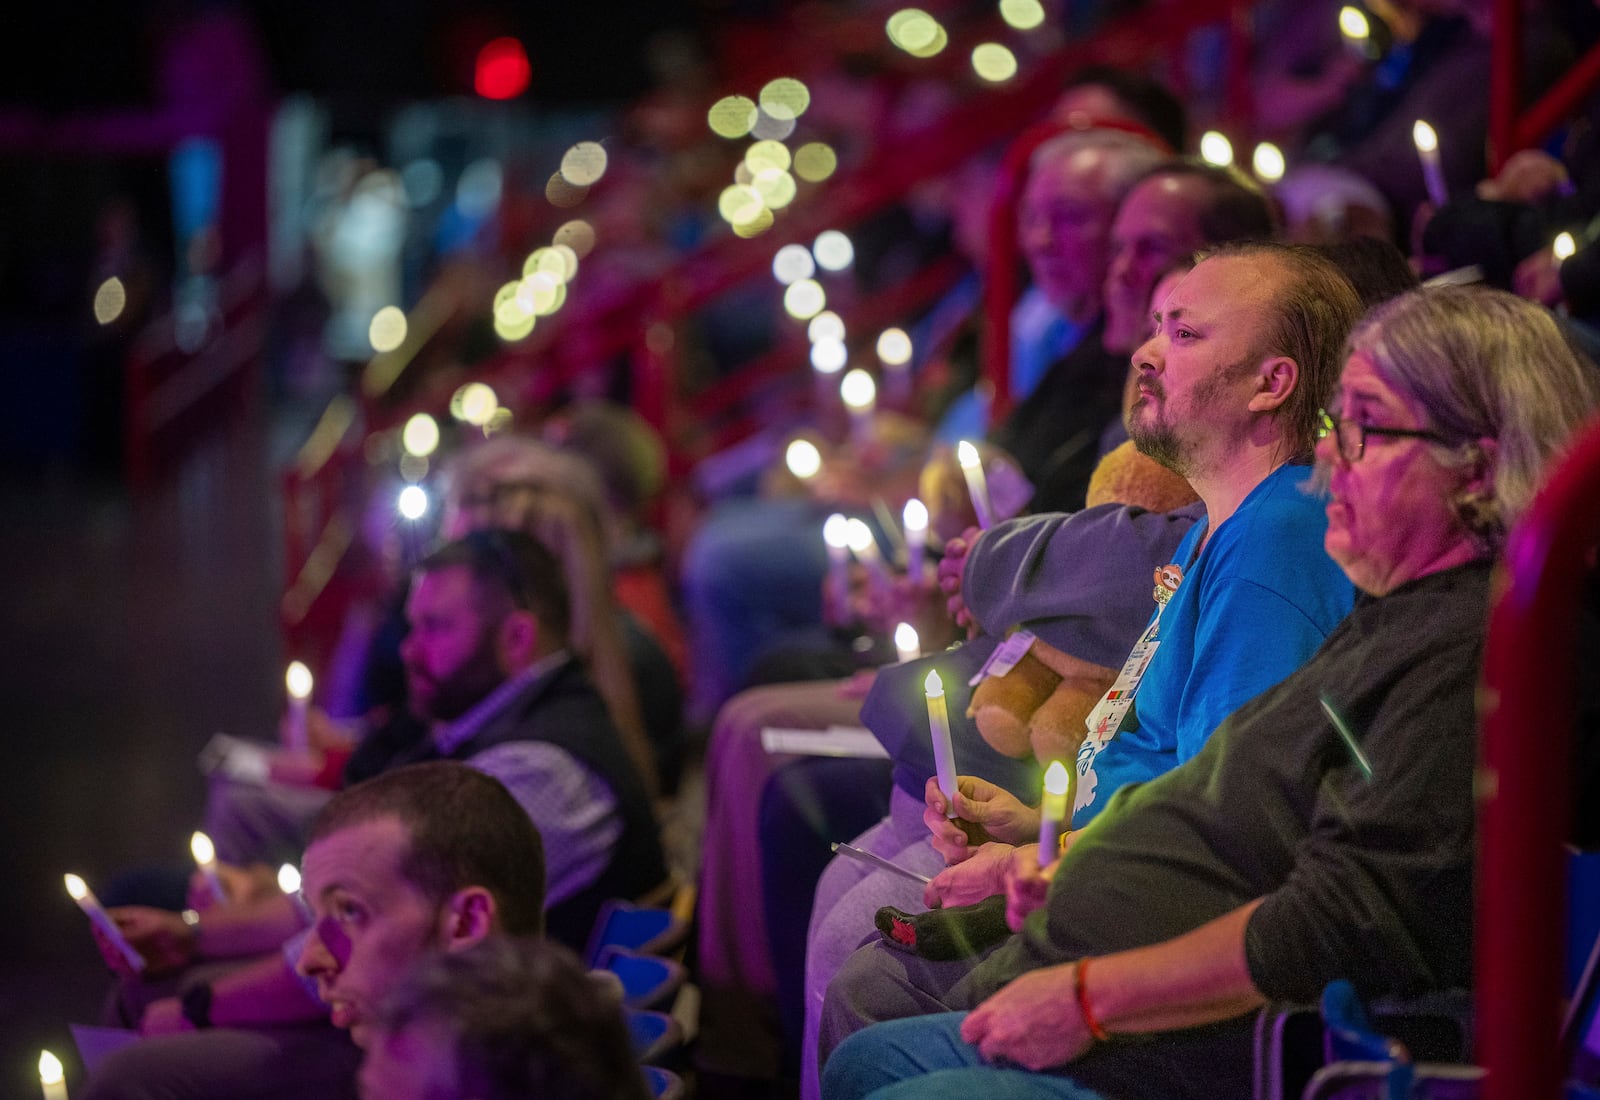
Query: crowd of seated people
[1188, 585]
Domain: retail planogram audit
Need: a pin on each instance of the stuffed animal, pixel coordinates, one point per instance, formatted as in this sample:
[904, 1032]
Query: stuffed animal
[1039, 708]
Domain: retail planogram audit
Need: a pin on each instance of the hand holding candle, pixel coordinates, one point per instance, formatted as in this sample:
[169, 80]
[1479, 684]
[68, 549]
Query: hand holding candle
[1427, 143]
[102, 921]
[977, 485]
[1052, 811]
[205, 857]
[944, 755]
[298, 680]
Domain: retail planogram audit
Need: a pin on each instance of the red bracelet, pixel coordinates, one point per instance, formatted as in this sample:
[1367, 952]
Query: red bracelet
[1080, 978]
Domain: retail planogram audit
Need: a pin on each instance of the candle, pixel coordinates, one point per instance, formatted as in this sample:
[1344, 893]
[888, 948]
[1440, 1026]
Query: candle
[977, 485]
[1428, 153]
[894, 352]
[52, 1076]
[836, 533]
[101, 919]
[906, 643]
[298, 681]
[205, 857]
[1052, 811]
[865, 548]
[1565, 246]
[828, 357]
[289, 883]
[944, 755]
[914, 517]
[860, 396]
[803, 459]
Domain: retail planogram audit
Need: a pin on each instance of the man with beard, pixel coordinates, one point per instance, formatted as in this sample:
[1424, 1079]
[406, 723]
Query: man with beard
[491, 685]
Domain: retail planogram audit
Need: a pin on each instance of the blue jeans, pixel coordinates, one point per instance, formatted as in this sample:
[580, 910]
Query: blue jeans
[925, 1058]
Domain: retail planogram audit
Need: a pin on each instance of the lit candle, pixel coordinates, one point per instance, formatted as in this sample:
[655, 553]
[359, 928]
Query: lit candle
[1356, 30]
[298, 681]
[860, 396]
[977, 485]
[101, 919]
[1565, 246]
[865, 548]
[836, 533]
[914, 517]
[1428, 153]
[1052, 811]
[289, 883]
[906, 643]
[803, 459]
[52, 1076]
[944, 755]
[205, 857]
[894, 352]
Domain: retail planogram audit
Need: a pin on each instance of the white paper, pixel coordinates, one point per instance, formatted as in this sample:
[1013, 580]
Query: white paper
[847, 741]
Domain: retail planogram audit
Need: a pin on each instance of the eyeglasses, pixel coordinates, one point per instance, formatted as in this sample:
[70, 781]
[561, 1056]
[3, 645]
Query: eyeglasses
[1351, 435]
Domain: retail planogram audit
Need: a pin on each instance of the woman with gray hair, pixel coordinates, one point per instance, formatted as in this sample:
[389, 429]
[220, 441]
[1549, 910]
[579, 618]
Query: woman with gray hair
[1327, 828]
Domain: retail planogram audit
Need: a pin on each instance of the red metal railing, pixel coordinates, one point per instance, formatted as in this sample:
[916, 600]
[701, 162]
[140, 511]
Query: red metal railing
[1525, 781]
[1509, 130]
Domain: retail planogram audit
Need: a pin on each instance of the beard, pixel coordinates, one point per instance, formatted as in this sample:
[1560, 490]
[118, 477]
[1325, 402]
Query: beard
[446, 698]
[1153, 435]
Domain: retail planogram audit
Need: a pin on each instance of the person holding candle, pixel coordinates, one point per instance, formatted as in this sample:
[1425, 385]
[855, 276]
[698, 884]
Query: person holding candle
[1327, 828]
[435, 856]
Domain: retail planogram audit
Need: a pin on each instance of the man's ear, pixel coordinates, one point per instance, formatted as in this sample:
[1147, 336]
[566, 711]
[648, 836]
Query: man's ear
[1276, 379]
[468, 918]
[519, 639]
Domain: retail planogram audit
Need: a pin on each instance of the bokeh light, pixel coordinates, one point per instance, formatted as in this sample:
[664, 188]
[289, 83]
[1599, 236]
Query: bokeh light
[771, 128]
[829, 356]
[413, 502]
[563, 194]
[577, 235]
[914, 31]
[1424, 136]
[833, 250]
[815, 162]
[775, 186]
[894, 347]
[767, 154]
[110, 300]
[1268, 162]
[289, 878]
[413, 468]
[858, 390]
[785, 98]
[760, 225]
[558, 263]
[793, 261]
[1216, 149]
[732, 116]
[584, 164]
[420, 436]
[387, 330]
[1024, 15]
[474, 403]
[803, 459]
[804, 299]
[826, 325]
[1564, 246]
[994, 62]
[502, 70]
[740, 204]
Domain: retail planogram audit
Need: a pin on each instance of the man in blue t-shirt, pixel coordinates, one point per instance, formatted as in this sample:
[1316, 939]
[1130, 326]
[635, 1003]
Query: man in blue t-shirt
[1246, 350]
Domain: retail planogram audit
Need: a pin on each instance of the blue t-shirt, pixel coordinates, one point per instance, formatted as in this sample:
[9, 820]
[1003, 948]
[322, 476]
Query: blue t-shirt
[1254, 604]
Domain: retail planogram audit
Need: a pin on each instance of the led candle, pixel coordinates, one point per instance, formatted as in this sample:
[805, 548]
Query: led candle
[298, 681]
[836, 533]
[977, 484]
[52, 1076]
[101, 919]
[803, 459]
[1428, 153]
[865, 548]
[894, 352]
[914, 517]
[205, 857]
[1565, 246]
[906, 643]
[944, 755]
[1052, 811]
[860, 396]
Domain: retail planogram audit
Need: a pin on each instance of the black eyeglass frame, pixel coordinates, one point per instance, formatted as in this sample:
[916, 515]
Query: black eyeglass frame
[1340, 427]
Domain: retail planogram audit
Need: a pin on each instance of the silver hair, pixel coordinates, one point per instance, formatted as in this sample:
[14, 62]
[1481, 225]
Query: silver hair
[1134, 157]
[1485, 364]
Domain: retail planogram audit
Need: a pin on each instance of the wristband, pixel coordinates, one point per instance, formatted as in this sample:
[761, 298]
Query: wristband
[1080, 978]
[196, 1005]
